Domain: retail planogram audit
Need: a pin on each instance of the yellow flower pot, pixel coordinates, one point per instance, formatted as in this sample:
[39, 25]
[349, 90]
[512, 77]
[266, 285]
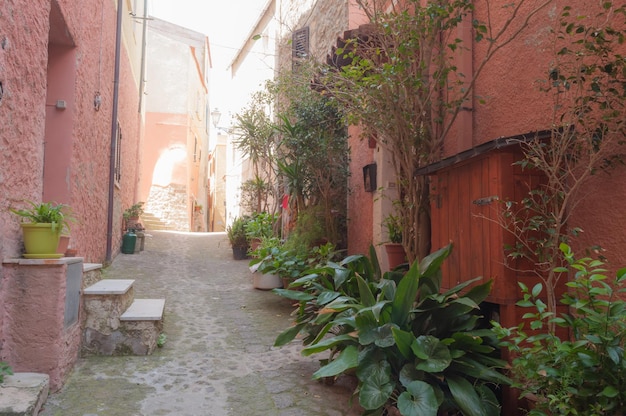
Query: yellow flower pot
[40, 240]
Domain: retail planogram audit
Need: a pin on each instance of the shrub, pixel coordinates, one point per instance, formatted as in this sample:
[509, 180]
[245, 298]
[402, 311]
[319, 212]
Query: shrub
[409, 344]
[583, 375]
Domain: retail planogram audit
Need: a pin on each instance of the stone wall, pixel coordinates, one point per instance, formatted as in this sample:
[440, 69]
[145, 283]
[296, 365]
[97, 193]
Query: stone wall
[326, 19]
[169, 203]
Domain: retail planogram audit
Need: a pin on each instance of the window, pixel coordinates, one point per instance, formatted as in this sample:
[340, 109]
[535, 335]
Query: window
[300, 46]
[195, 149]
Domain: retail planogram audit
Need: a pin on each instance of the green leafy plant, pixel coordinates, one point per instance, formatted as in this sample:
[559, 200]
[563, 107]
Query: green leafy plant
[47, 213]
[410, 345]
[161, 340]
[394, 228]
[236, 232]
[5, 370]
[275, 258]
[583, 373]
[260, 225]
[134, 211]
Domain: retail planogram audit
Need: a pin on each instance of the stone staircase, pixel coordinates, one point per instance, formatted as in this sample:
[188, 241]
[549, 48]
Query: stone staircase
[152, 222]
[117, 323]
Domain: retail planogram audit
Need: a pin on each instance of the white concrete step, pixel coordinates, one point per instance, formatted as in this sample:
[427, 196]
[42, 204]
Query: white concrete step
[144, 310]
[110, 287]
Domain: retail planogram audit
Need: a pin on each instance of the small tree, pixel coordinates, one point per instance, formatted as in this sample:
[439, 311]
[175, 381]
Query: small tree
[255, 138]
[312, 151]
[587, 83]
[399, 80]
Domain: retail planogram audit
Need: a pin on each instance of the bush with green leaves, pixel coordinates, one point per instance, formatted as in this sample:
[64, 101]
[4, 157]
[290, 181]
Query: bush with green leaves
[261, 225]
[275, 258]
[236, 232]
[582, 375]
[5, 370]
[410, 344]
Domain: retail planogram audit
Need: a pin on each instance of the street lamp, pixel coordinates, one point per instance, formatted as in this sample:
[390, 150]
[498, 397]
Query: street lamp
[215, 117]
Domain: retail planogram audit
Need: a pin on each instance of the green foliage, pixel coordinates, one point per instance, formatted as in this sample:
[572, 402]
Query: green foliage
[587, 85]
[394, 228]
[410, 344]
[5, 370]
[47, 213]
[260, 225]
[585, 373]
[134, 211]
[161, 340]
[275, 258]
[310, 230]
[236, 232]
[312, 151]
[255, 194]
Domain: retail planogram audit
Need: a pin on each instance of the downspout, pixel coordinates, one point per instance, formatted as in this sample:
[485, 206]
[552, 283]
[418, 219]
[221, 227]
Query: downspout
[116, 92]
[142, 70]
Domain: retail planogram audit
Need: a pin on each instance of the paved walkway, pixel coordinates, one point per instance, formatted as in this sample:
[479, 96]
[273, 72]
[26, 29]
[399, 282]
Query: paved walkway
[218, 359]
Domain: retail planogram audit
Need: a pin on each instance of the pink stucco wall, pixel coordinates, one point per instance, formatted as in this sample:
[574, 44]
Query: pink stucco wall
[63, 155]
[50, 51]
[360, 203]
[36, 339]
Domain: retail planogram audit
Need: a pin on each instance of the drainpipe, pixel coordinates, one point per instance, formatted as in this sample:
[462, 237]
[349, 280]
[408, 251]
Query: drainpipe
[142, 70]
[116, 93]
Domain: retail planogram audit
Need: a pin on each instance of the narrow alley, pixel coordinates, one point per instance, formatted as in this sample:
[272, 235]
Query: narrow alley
[218, 358]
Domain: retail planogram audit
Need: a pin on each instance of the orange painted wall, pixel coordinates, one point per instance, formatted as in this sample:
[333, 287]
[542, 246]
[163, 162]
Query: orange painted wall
[163, 131]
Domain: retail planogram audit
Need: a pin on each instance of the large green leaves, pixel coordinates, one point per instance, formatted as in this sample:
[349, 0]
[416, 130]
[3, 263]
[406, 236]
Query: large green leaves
[418, 400]
[433, 355]
[346, 360]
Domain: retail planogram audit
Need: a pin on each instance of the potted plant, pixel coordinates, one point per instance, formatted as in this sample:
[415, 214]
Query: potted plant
[42, 226]
[259, 227]
[267, 261]
[132, 214]
[394, 249]
[236, 233]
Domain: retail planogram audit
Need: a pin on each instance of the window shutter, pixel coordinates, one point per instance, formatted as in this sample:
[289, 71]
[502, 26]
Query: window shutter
[300, 45]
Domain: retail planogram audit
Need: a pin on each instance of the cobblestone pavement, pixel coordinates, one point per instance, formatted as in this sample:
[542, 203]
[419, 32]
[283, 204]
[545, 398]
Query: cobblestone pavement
[218, 359]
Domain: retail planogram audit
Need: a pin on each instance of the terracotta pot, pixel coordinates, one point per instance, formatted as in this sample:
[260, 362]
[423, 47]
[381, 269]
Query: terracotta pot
[64, 242]
[395, 255]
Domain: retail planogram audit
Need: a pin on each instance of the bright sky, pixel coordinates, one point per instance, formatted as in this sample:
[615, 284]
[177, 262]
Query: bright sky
[225, 22]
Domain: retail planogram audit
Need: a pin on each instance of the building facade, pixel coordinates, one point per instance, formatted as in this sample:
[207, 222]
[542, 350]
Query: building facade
[174, 152]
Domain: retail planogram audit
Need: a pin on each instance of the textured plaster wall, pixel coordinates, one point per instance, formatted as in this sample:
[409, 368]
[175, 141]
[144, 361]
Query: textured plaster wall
[36, 341]
[90, 33]
[87, 29]
[515, 106]
[23, 54]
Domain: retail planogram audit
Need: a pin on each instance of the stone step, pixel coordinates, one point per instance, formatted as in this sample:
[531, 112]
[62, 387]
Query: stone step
[92, 273]
[23, 394]
[144, 310]
[110, 287]
[135, 332]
